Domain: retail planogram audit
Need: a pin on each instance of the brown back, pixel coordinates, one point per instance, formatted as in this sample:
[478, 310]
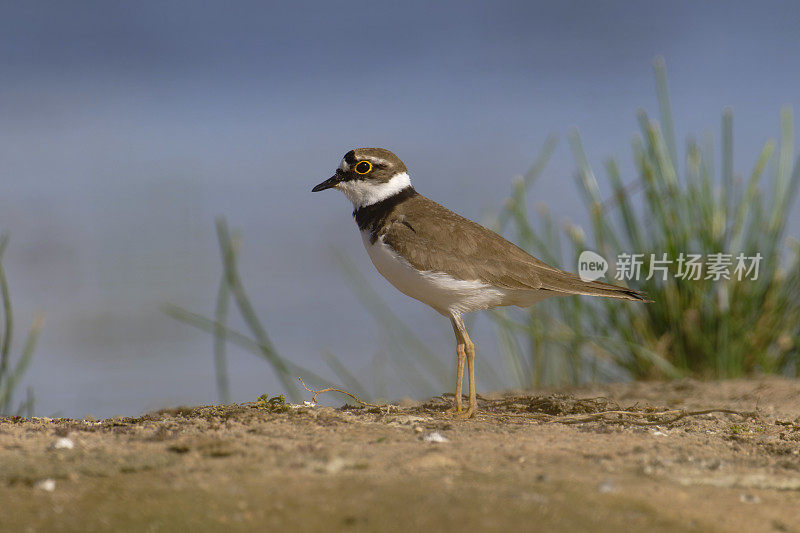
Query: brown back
[433, 238]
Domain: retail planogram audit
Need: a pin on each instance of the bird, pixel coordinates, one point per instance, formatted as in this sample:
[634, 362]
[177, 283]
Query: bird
[452, 264]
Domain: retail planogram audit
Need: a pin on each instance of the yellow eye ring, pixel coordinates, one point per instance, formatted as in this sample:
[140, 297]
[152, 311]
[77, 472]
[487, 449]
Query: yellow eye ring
[361, 170]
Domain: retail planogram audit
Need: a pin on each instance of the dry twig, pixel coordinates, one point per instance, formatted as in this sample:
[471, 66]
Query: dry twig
[636, 418]
[331, 389]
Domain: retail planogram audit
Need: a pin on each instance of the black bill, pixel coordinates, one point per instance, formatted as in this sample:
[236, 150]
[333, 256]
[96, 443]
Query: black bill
[328, 183]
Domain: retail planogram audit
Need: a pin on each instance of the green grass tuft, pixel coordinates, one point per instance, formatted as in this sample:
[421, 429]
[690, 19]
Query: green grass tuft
[707, 328]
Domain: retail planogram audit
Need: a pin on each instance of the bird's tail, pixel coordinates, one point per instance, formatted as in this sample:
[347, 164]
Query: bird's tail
[569, 283]
[598, 288]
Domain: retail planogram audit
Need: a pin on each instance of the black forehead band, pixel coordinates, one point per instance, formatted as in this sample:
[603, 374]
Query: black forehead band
[350, 159]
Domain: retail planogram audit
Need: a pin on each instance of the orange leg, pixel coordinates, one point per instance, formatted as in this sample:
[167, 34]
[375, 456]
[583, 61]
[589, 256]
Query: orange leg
[473, 397]
[466, 349]
[460, 351]
[459, 380]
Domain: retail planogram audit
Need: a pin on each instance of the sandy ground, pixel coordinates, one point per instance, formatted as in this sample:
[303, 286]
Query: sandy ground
[547, 461]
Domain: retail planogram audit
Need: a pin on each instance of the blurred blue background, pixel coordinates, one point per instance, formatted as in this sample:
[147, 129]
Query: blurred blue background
[125, 128]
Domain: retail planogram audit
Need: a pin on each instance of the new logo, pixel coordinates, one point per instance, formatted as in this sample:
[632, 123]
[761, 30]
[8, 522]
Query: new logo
[591, 266]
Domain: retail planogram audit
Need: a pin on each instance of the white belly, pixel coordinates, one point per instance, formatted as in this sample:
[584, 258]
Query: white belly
[440, 290]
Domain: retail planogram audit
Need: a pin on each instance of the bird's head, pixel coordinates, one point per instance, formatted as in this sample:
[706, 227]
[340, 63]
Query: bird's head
[367, 176]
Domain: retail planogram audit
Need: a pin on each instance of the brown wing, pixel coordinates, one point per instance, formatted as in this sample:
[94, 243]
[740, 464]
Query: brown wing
[431, 237]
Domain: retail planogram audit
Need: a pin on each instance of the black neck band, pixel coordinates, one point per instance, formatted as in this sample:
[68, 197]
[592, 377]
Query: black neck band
[372, 217]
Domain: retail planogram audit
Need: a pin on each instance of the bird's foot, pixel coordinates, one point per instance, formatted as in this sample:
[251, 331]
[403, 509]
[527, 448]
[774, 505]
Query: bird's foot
[469, 413]
[455, 410]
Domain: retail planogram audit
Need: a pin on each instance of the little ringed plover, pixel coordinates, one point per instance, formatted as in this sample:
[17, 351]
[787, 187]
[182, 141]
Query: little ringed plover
[442, 259]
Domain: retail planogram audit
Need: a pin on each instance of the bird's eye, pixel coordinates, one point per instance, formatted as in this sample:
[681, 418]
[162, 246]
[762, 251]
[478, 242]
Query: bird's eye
[363, 167]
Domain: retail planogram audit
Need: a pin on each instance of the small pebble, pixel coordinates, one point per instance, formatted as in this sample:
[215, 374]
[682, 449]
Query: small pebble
[435, 437]
[749, 498]
[335, 465]
[48, 485]
[606, 486]
[63, 443]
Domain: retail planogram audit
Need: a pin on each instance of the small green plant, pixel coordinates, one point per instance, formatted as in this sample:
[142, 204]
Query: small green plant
[275, 404]
[744, 429]
[12, 373]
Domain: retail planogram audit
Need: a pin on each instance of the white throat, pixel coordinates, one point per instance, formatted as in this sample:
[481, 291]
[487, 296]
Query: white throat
[362, 193]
